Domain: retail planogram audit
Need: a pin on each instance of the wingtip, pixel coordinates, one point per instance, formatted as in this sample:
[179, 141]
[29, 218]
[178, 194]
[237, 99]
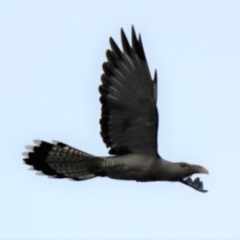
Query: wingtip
[155, 75]
[133, 30]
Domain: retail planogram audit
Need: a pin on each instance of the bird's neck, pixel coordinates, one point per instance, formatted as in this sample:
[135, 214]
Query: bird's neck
[168, 170]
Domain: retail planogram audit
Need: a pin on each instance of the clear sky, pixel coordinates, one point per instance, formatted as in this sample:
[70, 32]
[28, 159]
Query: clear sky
[50, 61]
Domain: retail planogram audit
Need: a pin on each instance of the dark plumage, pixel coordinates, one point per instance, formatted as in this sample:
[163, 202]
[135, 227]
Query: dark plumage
[129, 125]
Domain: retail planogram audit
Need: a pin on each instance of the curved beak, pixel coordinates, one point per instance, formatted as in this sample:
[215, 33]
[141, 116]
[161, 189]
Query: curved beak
[199, 169]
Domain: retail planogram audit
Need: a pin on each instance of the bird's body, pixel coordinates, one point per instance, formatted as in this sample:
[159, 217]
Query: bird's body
[141, 168]
[138, 167]
[129, 125]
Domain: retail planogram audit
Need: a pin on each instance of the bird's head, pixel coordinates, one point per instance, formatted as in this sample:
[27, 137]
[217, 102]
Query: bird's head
[186, 170]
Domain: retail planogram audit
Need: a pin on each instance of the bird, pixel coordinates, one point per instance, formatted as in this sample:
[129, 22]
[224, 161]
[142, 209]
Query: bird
[129, 128]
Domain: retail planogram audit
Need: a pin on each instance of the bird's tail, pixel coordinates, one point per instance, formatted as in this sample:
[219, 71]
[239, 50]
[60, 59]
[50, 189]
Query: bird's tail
[62, 161]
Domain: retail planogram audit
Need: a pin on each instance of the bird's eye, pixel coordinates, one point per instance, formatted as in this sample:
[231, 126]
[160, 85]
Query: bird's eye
[183, 165]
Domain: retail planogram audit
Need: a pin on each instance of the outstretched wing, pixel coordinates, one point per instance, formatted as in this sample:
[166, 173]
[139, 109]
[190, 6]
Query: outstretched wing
[129, 120]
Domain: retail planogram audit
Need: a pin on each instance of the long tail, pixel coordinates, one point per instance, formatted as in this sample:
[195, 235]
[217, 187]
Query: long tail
[62, 161]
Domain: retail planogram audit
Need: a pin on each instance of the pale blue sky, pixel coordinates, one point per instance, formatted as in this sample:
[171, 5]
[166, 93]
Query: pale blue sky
[51, 57]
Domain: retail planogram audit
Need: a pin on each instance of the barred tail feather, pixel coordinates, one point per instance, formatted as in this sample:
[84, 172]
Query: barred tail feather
[61, 161]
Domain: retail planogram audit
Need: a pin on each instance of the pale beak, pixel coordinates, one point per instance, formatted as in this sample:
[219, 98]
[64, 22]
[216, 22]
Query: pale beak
[203, 170]
[199, 169]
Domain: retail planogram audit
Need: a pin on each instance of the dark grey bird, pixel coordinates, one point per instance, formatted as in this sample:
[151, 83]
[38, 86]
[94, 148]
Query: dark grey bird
[129, 125]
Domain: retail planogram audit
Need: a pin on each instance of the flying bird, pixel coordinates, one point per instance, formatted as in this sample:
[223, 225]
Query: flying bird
[129, 125]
